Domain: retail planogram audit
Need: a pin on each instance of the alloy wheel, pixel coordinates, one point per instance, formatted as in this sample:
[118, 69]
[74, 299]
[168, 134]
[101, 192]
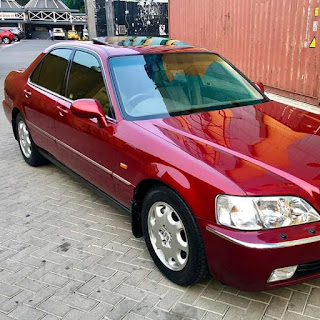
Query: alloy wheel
[168, 236]
[6, 40]
[24, 139]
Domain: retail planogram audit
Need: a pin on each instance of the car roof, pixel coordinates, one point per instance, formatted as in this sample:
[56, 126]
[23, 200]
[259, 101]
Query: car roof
[114, 49]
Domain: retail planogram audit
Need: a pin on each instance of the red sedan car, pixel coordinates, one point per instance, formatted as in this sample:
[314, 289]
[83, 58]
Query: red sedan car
[6, 36]
[215, 175]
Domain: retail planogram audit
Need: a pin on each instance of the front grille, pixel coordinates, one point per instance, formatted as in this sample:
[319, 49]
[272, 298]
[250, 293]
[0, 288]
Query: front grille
[307, 268]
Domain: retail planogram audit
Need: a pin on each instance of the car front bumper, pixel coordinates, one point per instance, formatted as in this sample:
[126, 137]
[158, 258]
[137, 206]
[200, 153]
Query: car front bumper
[246, 259]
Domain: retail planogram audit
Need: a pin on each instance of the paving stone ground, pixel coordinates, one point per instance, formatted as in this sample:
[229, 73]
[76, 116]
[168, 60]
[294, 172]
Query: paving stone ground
[66, 253]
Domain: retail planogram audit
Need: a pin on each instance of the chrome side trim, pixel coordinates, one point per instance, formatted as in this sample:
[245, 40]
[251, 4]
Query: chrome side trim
[30, 124]
[277, 245]
[122, 180]
[84, 157]
[81, 155]
[95, 163]
[57, 95]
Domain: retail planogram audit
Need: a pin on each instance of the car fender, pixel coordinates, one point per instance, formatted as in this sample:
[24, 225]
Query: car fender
[156, 174]
[13, 103]
[192, 189]
[11, 91]
[167, 174]
[194, 180]
[198, 195]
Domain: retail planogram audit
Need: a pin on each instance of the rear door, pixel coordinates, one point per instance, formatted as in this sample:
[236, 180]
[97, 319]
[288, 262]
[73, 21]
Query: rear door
[81, 144]
[40, 97]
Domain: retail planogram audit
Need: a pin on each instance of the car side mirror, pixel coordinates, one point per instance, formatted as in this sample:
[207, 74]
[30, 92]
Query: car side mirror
[89, 109]
[260, 86]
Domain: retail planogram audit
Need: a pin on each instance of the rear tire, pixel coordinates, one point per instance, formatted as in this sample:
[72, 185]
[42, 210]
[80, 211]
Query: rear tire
[6, 40]
[173, 237]
[28, 148]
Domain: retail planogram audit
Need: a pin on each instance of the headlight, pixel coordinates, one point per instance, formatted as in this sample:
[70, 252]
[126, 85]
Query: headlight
[255, 213]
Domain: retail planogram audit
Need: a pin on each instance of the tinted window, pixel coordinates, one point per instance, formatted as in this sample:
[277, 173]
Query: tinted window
[35, 74]
[86, 80]
[53, 69]
[164, 85]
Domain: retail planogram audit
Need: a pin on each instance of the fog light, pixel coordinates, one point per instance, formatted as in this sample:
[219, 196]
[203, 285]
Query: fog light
[282, 274]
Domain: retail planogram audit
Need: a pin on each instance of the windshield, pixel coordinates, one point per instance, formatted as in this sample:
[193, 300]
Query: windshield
[164, 85]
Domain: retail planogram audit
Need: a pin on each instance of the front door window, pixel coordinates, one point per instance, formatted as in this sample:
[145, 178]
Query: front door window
[86, 80]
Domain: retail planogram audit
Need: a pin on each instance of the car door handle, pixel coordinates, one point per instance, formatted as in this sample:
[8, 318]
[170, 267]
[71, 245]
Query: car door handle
[27, 93]
[62, 110]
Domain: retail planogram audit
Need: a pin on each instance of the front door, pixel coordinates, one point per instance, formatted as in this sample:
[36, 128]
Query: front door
[81, 144]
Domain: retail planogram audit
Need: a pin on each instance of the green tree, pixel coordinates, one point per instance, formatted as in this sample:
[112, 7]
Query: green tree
[72, 4]
[75, 4]
[22, 2]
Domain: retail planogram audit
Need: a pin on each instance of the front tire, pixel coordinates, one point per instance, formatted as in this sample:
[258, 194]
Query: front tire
[28, 148]
[173, 237]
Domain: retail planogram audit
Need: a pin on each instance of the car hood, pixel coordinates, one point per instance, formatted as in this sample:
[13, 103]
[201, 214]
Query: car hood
[252, 144]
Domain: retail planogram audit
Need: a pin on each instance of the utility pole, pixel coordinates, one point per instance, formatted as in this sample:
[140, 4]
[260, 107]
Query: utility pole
[110, 18]
[91, 18]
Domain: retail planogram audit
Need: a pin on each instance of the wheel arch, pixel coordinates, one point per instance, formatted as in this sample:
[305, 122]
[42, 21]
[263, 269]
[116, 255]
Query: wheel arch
[140, 191]
[15, 112]
[201, 268]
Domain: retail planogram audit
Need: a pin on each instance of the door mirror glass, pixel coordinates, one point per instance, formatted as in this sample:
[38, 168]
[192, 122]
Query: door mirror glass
[89, 109]
[260, 86]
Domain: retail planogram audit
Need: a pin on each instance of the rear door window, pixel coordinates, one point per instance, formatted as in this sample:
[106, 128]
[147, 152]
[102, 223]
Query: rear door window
[53, 69]
[86, 80]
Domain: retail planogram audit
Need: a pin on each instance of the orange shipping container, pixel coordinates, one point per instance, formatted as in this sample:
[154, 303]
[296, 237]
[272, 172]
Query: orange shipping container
[273, 41]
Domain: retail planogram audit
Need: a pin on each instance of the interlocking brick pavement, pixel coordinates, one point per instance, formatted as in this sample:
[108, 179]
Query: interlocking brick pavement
[66, 253]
